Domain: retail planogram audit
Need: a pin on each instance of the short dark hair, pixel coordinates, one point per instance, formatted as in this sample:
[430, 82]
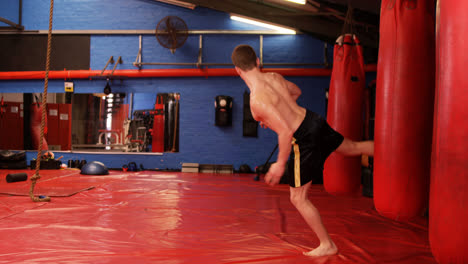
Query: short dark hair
[244, 57]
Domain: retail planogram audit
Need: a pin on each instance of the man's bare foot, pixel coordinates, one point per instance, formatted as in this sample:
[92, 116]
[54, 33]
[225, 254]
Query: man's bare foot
[323, 250]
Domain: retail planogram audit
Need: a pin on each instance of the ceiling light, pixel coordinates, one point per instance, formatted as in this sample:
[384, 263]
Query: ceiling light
[279, 29]
[302, 2]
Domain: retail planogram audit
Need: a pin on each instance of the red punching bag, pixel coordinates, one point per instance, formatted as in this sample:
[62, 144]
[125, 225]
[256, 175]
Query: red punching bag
[448, 211]
[342, 175]
[36, 118]
[158, 125]
[404, 108]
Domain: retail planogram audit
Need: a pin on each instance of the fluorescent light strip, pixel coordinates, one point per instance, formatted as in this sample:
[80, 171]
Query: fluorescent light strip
[279, 29]
[302, 2]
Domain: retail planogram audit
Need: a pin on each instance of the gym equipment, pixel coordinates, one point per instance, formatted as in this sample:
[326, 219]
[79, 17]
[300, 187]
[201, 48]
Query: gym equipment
[342, 174]
[16, 177]
[190, 167]
[171, 106]
[176, 118]
[244, 168]
[249, 124]
[132, 166]
[158, 125]
[47, 164]
[49, 155]
[81, 163]
[448, 230]
[94, 168]
[12, 160]
[223, 110]
[404, 108]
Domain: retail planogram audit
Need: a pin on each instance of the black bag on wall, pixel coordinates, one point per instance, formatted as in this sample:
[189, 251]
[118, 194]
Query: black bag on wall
[223, 110]
[250, 126]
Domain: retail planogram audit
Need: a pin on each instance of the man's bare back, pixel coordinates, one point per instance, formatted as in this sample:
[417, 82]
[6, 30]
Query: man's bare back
[272, 91]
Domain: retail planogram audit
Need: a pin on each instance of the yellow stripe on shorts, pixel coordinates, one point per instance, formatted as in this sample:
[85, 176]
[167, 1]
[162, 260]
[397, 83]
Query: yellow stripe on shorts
[297, 164]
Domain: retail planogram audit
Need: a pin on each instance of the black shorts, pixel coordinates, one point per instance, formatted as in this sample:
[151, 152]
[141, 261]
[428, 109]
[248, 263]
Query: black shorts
[313, 142]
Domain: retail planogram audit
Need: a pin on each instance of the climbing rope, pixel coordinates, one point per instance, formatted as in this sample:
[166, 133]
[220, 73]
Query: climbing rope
[36, 175]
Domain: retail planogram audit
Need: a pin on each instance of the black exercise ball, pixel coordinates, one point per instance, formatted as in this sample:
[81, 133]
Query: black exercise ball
[94, 168]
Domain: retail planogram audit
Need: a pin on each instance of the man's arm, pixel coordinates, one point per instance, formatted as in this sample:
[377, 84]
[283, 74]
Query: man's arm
[276, 170]
[284, 144]
[275, 121]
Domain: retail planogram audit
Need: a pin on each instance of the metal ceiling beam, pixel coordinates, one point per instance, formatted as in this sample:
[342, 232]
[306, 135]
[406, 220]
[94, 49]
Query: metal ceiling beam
[12, 24]
[18, 26]
[319, 26]
[9, 31]
[370, 6]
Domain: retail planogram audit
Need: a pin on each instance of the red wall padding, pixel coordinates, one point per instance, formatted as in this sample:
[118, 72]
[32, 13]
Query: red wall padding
[59, 126]
[448, 214]
[342, 175]
[11, 126]
[53, 131]
[404, 108]
[65, 126]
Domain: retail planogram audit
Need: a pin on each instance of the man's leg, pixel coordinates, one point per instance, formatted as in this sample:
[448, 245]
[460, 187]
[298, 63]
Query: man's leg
[311, 215]
[356, 148]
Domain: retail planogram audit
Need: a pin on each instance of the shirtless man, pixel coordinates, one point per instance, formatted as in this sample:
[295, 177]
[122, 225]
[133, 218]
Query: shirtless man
[273, 104]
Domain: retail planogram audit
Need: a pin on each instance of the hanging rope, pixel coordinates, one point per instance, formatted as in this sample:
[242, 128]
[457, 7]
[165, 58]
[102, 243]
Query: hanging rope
[348, 26]
[36, 175]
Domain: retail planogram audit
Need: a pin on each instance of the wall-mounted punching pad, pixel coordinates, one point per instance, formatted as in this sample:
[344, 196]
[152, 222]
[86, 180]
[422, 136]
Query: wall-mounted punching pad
[223, 110]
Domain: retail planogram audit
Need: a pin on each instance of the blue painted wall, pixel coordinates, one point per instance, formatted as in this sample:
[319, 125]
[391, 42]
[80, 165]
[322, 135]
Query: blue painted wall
[9, 9]
[200, 140]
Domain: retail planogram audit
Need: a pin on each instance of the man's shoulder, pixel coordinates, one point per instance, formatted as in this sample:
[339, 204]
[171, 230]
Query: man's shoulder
[273, 75]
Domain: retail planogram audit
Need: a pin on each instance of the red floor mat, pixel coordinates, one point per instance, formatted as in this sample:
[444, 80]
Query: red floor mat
[152, 217]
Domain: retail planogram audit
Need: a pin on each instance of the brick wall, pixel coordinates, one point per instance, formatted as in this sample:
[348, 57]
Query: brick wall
[200, 140]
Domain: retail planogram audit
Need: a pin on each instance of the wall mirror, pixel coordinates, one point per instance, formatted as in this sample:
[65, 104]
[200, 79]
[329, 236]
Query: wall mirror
[115, 122]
